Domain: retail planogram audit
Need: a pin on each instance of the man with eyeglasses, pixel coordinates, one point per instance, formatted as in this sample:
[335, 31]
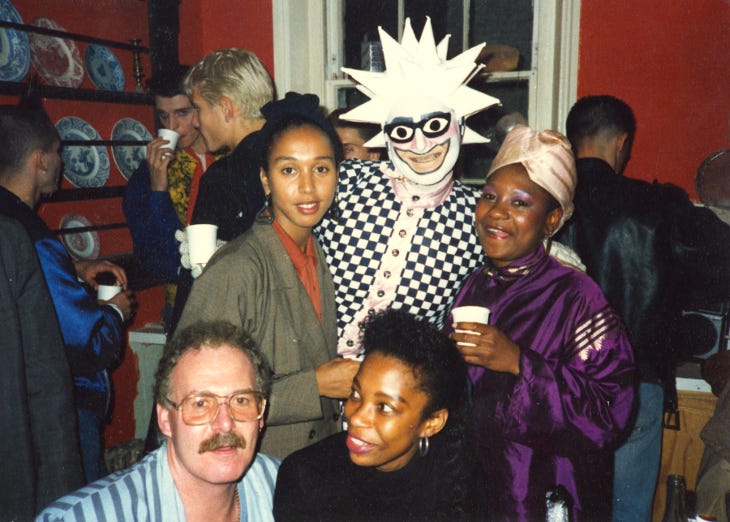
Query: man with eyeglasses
[161, 194]
[211, 388]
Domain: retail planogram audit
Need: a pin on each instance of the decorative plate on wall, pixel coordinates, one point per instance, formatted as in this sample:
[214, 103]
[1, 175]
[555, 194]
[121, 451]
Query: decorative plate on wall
[128, 157]
[81, 245]
[14, 46]
[57, 60]
[84, 166]
[103, 68]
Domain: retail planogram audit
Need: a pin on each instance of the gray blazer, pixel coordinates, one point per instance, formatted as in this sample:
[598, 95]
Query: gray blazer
[252, 283]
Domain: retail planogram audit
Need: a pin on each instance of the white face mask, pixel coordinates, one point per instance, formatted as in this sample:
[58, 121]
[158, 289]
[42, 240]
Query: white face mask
[423, 139]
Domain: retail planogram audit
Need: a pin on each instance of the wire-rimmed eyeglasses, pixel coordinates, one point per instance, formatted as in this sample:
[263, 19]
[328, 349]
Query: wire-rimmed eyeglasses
[202, 407]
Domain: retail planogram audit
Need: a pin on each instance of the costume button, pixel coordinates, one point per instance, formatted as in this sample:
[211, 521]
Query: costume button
[395, 252]
[381, 293]
[386, 274]
[409, 212]
[371, 311]
[312, 434]
[416, 198]
[350, 342]
[402, 233]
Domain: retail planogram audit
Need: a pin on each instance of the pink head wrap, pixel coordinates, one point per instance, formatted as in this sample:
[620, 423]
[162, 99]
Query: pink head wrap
[548, 159]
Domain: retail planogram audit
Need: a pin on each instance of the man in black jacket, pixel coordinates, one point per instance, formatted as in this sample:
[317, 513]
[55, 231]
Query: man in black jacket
[653, 253]
[39, 447]
[227, 89]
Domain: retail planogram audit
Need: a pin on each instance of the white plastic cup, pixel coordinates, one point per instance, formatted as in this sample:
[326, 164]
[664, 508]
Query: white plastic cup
[201, 242]
[470, 314]
[106, 292]
[169, 135]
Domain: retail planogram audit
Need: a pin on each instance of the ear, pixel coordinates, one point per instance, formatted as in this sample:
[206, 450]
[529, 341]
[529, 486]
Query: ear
[265, 181]
[227, 106]
[37, 160]
[622, 141]
[435, 422]
[163, 420]
[553, 220]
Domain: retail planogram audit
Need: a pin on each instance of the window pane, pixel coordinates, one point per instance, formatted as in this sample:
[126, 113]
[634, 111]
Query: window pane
[349, 97]
[476, 159]
[446, 18]
[362, 18]
[505, 22]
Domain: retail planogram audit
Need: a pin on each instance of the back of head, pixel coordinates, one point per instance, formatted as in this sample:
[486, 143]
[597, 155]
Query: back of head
[169, 82]
[595, 116]
[235, 73]
[23, 131]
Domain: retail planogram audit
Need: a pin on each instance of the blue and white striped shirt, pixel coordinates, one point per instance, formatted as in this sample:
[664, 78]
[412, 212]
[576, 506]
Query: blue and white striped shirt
[146, 492]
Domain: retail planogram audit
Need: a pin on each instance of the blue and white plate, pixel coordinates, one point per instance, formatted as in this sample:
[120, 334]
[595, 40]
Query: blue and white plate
[103, 68]
[84, 166]
[14, 46]
[128, 157]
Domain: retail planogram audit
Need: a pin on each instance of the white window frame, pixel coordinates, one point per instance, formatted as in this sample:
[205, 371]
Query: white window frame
[301, 41]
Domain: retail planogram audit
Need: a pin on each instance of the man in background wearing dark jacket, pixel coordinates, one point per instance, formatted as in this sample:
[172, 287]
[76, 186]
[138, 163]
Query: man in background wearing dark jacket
[39, 449]
[30, 165]
[653, 253]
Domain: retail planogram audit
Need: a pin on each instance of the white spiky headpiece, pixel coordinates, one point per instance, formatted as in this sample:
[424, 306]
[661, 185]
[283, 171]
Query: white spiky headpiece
[419, 66]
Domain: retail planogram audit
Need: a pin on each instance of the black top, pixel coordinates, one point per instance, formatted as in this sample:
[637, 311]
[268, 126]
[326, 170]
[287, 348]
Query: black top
[230, 192]
[652, 252]
[320, 482]
[230, 195]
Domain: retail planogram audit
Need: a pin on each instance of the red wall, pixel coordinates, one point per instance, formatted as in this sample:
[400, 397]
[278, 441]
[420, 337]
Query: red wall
[208, 26]
[118, 20]
[671, 62]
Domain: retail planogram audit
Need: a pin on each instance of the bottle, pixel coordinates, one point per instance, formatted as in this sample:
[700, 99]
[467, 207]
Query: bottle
[676, 507]
[558, 503]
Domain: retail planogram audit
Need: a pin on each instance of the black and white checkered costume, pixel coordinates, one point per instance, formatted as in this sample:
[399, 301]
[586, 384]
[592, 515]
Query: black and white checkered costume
[386, 250]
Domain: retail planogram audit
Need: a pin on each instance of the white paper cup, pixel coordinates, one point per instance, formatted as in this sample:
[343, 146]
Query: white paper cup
[106, 292]
[470, 314]
[169, 135]
[201, 242]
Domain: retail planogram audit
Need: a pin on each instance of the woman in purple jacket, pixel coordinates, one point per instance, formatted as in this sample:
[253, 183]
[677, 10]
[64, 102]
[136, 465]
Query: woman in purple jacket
[553, 372]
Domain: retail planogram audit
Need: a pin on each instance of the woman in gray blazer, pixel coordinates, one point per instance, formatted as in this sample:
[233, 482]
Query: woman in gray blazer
[274, 280]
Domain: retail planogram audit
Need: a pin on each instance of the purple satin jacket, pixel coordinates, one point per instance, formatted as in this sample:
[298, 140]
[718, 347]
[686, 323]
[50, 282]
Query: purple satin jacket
[559, 420]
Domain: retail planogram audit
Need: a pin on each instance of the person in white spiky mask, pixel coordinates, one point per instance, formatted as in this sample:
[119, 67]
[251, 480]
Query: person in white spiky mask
[421, 101]
[405, 236]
